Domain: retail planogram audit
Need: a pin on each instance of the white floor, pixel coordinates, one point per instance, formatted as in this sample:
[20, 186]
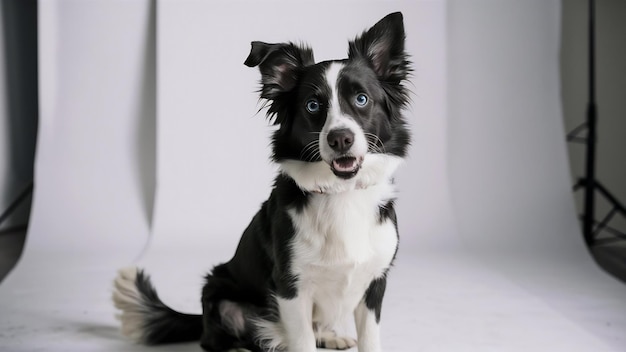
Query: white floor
[437, 300]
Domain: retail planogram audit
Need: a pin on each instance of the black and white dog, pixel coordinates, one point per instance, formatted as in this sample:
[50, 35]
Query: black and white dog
[320, 247]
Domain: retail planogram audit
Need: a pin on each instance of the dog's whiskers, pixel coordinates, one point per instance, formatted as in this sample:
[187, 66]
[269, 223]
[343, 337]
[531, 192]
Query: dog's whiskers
[375, 143]
[311, 151]
[308, 147]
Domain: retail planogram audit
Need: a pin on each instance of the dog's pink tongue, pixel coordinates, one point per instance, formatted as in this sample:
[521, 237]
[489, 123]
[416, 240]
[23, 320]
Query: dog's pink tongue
[345, 164]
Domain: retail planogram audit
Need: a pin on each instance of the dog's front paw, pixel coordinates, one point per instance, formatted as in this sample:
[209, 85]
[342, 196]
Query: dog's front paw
[330, 340]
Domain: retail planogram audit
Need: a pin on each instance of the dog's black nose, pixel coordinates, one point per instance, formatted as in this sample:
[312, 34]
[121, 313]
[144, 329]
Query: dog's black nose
[340, 139]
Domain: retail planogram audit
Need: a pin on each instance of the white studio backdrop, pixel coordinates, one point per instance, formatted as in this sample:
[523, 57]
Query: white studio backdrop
[214, 169]
[90, 209]
[95, 162]
[146, 100]
[507, 153]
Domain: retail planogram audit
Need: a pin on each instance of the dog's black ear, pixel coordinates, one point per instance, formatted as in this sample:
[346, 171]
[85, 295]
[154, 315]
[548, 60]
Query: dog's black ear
[280, 65]
[383, 47]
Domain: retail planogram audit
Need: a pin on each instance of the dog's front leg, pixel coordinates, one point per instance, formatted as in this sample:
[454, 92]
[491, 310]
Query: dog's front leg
[367, 329]
[296, 315]
[367, 317]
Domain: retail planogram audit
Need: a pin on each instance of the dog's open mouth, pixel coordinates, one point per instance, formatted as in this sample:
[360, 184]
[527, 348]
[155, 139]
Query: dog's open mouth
[346, 166]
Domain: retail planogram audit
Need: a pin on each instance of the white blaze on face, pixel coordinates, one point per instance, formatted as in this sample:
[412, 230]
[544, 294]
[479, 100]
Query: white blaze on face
[336, 119]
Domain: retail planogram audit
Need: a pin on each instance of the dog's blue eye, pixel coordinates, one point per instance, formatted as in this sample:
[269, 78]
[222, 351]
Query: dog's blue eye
[361, 100]
[312, 106]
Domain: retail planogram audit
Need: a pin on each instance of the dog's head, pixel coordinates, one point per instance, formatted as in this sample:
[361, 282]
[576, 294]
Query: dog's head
[337, 118]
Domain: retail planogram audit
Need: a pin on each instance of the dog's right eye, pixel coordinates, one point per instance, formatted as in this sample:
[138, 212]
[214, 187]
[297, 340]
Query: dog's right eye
[312, 106]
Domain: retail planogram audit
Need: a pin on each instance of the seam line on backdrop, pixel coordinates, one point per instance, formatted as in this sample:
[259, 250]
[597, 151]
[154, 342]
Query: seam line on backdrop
[13, 206]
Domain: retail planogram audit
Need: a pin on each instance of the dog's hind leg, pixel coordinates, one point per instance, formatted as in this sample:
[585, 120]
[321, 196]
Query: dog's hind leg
[226, 321]
[228, 327]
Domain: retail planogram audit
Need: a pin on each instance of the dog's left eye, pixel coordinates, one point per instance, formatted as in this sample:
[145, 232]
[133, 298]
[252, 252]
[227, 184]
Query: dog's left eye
[312, 106]
[361, 100]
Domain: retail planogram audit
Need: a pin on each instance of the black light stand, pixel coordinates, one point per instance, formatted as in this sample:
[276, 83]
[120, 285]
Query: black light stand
[591, 227]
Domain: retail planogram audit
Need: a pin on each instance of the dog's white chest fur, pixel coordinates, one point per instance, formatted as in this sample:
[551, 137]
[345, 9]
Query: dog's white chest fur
[340, 246]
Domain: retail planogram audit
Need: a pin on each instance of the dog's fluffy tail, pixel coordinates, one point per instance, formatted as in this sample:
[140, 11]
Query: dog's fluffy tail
[145, 318]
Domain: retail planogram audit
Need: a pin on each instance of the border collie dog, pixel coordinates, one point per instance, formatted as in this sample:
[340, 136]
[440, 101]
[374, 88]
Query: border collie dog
[320, 247]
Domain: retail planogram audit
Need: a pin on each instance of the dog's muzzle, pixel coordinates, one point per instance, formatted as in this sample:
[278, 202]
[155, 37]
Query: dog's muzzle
[345, 165]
